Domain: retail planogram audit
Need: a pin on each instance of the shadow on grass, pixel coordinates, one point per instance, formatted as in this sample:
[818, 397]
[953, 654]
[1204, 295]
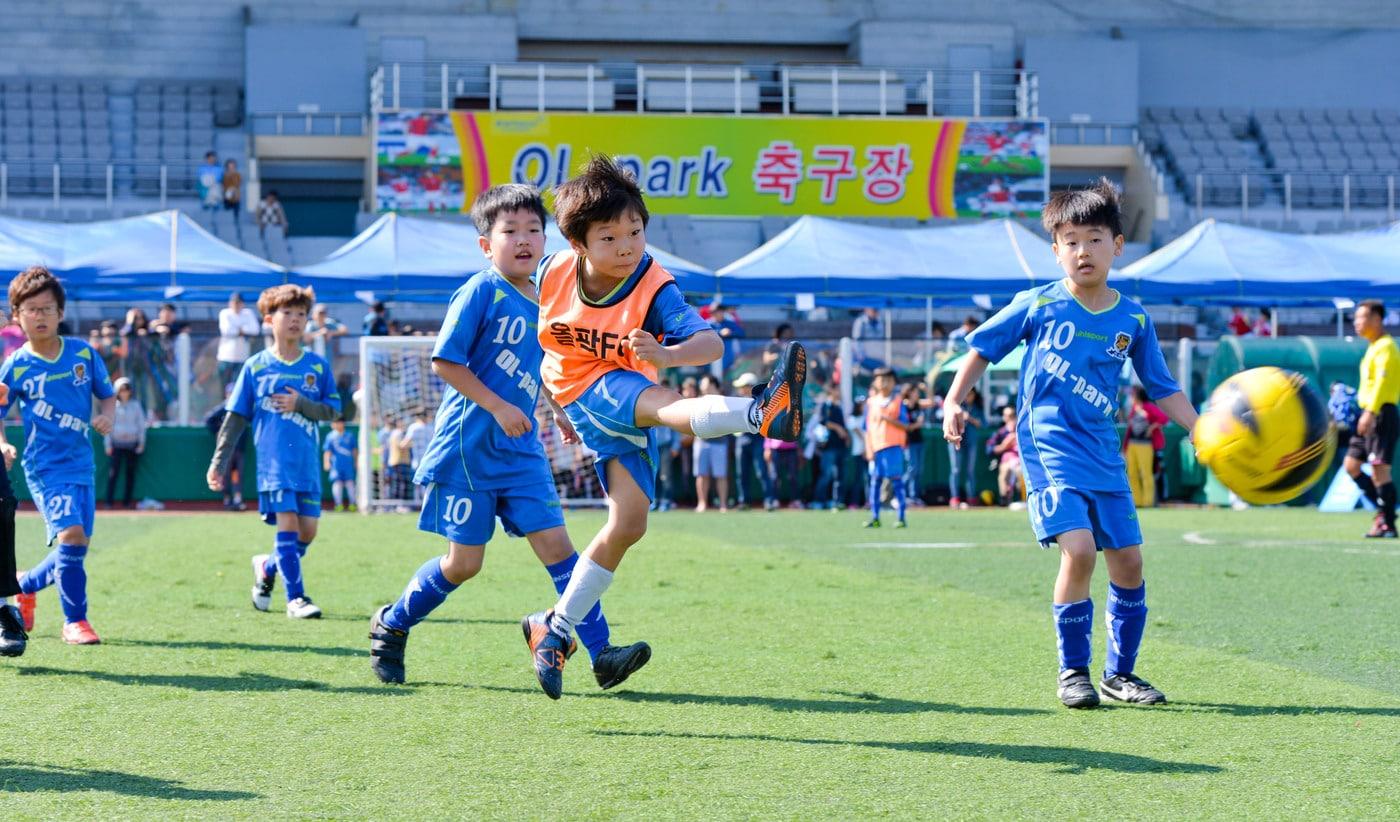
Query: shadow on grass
[27, 777]
[214, 645]
[1070, 760]
[848, 703]
[209, 682]
[1284, 710]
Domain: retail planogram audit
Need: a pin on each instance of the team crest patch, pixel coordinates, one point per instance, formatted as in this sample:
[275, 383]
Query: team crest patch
[308, 381]
[80, 374]
[1119, 349]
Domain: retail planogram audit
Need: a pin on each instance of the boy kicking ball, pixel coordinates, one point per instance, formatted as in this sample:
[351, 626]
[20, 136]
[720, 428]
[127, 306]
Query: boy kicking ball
[1078, 333]
[609, 318]
[285, 391]
[55, 379]
[485, 460]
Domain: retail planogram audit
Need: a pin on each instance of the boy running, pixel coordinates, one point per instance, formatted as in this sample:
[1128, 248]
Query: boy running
[1079, 332]
[485, 460]
[55, 379]
[609, 318]
[886, 432]
[285, 391]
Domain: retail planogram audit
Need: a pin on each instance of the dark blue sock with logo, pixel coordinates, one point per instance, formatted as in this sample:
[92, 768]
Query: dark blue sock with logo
[40, 576]
[592, 630]
[71, 578]
[1127, 617]
[1074, 626]
[427, 590]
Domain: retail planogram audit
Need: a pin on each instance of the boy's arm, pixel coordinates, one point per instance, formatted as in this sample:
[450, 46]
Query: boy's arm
[701, 348]
[102, 423]
[512, 421]
[954, 418]
[562, 421]
[229, 432]
[1179, 409]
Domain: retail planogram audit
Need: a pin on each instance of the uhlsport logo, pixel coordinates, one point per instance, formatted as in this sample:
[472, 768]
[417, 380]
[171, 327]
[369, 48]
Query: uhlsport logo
[1119, 349]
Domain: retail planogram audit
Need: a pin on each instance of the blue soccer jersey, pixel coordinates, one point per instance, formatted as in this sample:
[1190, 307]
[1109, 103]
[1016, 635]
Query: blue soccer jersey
[55, 402]
[1070, 380]
[287, 443]
[341, 446]
[491, 329]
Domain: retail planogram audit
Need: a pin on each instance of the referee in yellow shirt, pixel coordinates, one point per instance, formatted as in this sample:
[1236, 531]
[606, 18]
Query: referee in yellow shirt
[1379, 426]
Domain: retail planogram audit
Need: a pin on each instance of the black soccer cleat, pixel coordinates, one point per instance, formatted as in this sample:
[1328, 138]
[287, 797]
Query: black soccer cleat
[780, 404]
[1131, 688]
[386, 649]
[1077, 689]
[617, 662]
[549, 650]
[13, 639]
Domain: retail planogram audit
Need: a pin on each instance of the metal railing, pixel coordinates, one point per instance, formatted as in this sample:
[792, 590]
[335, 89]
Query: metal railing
[89, 179]
[719, 89]
[308, 123]
[1372, 193]
[1094, 134]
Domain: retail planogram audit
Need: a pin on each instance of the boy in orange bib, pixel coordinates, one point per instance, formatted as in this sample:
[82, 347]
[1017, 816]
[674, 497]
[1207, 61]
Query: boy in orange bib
[610, 317]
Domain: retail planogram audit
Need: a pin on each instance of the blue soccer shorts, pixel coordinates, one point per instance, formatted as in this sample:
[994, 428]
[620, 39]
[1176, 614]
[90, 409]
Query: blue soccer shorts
[1110, 516]
[605, 417]
[301, 503]
[469, 517]
[888, 463]
[64, 505]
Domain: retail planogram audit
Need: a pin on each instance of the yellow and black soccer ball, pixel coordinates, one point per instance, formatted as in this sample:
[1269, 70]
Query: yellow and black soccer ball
[1266, 435]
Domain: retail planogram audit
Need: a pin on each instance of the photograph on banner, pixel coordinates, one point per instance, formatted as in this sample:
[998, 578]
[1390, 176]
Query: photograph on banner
[419, 162]
[723, 165]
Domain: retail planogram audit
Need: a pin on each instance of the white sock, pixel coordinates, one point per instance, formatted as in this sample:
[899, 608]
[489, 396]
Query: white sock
[585, 588]
[713, 415]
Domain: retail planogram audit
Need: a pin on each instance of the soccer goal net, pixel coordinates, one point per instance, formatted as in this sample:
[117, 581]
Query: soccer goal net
[399, 399]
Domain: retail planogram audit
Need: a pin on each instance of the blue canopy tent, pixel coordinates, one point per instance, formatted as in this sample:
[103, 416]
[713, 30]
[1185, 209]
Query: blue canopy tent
[1222, 263]
[839, 262]
[163, 255]
[409, 258]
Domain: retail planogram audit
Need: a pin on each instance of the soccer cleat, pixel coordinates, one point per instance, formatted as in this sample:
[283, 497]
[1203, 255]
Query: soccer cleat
[549, 650]
[26, 604]
[262, 583]
[13, 639]
[1379, 530]
[780, 405]
[615, 663]
[901, 524]
[1131, 688]
[80, 633]
[386, 649]
[871, 523]
[1077, 689]
[303, 608]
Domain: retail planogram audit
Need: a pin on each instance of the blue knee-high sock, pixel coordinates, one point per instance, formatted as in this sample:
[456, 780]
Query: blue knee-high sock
[1074, 625]
[899, 499]
[71, 578]
[284, 553]
[593, 629]
[1127, 617]
[874, 496]
[41, 575]
[427, 590]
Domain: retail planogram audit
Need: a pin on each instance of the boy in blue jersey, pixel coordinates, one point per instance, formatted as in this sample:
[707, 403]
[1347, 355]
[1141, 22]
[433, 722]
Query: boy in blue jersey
[485, 459]
[286, 392]
[1079, 334]
[341, 450]
[55, 379]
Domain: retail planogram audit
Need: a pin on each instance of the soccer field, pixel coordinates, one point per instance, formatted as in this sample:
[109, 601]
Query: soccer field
[803, 668]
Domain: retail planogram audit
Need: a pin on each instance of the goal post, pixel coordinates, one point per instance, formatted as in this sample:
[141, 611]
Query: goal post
[397, 388]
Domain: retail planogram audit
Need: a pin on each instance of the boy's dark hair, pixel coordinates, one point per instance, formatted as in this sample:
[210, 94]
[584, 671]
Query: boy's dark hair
[32, 282]
[1376, 307]
[377, 307]
[1095, 206]
[883, 371]
[495, 200]
[1138, 393]
[711, 380]
[778, 332]
[167, 306]
[286, 296]
[601, 193]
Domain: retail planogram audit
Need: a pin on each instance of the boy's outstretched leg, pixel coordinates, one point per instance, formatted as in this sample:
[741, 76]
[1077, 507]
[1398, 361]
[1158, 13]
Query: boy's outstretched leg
[612, 664]
[1127, 618]
[775, 411]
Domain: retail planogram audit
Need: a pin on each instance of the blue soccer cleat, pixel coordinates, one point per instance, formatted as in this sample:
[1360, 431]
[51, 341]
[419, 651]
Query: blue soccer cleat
[549, 650]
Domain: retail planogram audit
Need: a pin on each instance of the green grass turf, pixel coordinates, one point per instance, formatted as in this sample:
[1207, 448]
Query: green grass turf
[804, 668]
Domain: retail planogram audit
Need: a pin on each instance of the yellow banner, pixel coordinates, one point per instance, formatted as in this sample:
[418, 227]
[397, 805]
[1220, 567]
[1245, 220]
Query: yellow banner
[725, 165]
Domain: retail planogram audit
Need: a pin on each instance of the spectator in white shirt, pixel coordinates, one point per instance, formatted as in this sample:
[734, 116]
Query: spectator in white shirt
[237, 325]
